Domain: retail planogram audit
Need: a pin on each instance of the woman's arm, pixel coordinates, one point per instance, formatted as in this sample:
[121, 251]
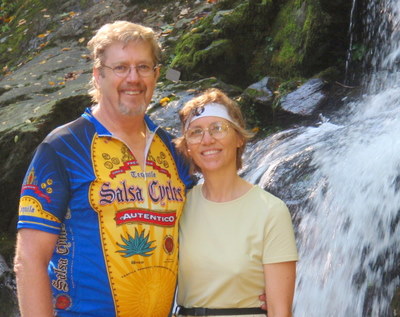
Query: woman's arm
[33, 253]
[279, 288]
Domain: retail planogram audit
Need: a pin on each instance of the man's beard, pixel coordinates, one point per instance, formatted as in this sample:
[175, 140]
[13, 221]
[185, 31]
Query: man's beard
[128, 111]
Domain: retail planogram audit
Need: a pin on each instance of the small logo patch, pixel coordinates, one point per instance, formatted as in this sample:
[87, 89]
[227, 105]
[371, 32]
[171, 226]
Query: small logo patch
[168, 244]
[198, 111]
[63, 301]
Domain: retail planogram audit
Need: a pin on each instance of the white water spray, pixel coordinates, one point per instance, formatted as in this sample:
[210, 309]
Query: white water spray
[342, 182]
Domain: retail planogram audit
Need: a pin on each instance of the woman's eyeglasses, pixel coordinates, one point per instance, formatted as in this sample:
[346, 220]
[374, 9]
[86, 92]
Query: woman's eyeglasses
[218, 130]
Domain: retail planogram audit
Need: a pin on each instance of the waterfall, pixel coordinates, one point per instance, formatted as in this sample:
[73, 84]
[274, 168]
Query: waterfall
[341, 180]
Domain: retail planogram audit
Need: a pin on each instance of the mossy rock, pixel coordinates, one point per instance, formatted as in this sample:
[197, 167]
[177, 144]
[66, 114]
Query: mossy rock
[223, 44]
[302, 44]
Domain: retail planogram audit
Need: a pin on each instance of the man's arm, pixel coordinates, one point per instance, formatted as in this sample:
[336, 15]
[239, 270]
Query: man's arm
[33, 253]
[279, 288]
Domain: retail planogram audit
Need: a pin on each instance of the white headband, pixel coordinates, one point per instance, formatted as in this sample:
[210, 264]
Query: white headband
[210, 110]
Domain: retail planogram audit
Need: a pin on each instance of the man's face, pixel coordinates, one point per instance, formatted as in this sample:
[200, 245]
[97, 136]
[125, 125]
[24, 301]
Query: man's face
[131, 94]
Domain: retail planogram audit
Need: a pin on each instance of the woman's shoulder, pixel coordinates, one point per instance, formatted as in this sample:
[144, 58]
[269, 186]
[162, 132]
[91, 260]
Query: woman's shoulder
[264, 197]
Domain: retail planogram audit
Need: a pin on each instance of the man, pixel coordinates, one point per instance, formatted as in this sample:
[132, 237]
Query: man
[100, 203]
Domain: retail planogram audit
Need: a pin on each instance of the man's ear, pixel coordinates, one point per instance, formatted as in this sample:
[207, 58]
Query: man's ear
[157, 72]
[96, 74]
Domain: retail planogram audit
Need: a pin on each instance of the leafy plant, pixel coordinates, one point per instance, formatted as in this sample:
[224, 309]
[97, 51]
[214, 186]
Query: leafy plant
[358, 52]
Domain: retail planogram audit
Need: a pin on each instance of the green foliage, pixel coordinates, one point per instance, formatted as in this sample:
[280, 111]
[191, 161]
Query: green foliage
[358, 52]
[7, 10]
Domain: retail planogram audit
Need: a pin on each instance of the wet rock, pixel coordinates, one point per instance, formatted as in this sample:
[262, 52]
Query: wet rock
[306, 99]
[261, 92]
[8, 297]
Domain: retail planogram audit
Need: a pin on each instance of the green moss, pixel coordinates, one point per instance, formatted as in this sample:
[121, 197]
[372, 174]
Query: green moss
[215, 50]
[296, 37]
[224, 43]
[184, 53]
[395, 305]
[330, 74]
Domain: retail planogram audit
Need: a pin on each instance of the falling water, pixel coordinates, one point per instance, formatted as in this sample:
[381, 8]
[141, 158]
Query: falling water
[351, 28]
[341, 180]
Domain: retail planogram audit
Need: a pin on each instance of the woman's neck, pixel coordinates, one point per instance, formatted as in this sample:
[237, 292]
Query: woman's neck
[226, 188]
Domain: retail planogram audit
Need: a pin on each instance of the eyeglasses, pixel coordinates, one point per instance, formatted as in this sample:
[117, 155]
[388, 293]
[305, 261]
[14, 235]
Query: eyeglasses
[123, 71]
[218, 130]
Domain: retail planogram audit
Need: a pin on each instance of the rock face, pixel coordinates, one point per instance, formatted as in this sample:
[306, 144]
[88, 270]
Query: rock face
[306, 99]
[45, 77]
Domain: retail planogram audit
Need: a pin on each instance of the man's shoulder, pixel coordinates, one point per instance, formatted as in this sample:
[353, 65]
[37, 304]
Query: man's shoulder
[76, 126]
[165, 135]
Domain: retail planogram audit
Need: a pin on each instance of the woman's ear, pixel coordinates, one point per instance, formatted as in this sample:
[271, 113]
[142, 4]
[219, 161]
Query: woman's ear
[240, 142]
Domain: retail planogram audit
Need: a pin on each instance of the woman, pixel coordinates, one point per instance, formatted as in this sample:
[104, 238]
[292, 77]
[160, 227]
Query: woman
[236, 240]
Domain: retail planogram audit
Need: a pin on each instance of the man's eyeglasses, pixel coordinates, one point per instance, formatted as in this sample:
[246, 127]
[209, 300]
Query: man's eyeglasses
[218, 130]
[123, 71]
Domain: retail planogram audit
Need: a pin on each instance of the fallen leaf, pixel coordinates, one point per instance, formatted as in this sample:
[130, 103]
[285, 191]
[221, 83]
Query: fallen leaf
[21, 22]
[81, 40]
[43, 44]
[66, 49]
[164, 101]
[8, 19]
[166, 31]
[52, 83]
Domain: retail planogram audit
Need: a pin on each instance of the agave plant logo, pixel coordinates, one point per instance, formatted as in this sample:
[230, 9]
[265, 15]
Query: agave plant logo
[139, 245]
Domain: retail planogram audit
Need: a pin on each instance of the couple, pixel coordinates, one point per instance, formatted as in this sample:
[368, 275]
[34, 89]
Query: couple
[101, 201]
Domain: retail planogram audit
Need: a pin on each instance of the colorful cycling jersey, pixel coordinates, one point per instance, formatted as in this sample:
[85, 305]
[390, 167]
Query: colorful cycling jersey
[116, 254]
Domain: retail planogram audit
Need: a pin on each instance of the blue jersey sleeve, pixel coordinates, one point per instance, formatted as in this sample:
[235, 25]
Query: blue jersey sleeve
[45, 192]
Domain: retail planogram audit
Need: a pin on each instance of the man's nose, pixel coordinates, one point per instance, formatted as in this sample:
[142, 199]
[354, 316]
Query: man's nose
[133, 73]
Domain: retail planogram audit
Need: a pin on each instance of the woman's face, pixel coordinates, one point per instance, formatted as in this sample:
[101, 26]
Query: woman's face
[212, 144]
